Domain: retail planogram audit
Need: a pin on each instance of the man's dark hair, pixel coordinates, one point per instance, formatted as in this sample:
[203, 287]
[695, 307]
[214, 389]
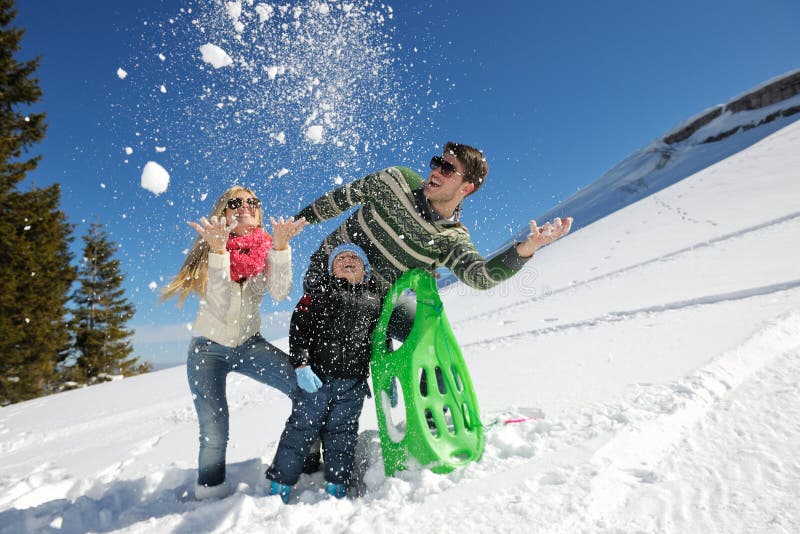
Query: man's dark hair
[474, 161]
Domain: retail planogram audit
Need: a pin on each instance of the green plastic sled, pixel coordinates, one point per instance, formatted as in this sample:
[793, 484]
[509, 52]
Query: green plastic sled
[442, 428]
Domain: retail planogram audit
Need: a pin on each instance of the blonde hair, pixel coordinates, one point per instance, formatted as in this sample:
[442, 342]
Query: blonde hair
[193, 274]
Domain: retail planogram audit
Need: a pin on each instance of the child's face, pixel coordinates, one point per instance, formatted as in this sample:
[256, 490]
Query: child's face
[349, 266]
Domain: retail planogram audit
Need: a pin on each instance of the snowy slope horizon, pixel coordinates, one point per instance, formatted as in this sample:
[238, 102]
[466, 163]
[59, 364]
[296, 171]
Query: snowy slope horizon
[653, 358]
[694, 144]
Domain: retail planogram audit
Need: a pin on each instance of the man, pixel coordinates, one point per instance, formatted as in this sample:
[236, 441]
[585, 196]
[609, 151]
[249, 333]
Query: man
[404, 223]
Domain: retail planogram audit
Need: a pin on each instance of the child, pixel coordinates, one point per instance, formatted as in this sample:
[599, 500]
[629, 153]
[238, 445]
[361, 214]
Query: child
[330, 346]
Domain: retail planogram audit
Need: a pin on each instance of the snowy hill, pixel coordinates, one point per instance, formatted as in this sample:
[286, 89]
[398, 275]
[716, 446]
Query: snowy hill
[691, 146]
[654, 356]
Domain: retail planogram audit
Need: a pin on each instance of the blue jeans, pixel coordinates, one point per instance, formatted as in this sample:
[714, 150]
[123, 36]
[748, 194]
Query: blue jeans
[207, 367]
[331, 414]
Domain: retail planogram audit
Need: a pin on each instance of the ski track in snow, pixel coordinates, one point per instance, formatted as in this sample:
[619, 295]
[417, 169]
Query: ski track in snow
[742, 443]
[510, 308]
[623, 315]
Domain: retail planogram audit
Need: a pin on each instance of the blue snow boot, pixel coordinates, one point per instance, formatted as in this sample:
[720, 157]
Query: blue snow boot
[276, 488]
[337, 490]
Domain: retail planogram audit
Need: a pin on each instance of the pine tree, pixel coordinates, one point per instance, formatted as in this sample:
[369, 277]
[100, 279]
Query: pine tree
[102, 347]
[35, 271]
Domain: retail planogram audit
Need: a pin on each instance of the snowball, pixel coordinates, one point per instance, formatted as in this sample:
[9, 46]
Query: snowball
[155, 178]
[128, 150]
[283, 172]
[274, 70]
[161, 149]
[152, 285]
[121, 74]
[215, 56]
[234, 10]
[280, 137]
[162, 57]
[314, 134]
[163, 89]
[265, 12]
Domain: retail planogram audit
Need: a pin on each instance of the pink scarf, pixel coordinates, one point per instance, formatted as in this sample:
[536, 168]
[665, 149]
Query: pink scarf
[248, 254]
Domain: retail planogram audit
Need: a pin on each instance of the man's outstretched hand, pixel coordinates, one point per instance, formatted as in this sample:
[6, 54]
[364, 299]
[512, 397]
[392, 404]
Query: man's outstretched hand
[544, 235]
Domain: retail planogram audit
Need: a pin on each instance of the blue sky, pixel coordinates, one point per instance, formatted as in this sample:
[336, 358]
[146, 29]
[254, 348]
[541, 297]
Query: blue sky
[554, 93]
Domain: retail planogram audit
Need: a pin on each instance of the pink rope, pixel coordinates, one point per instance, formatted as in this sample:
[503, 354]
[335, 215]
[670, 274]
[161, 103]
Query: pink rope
[520, 420]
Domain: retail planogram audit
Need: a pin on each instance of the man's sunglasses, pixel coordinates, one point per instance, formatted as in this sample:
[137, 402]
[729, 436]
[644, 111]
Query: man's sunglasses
[445, 167]
[236, 203]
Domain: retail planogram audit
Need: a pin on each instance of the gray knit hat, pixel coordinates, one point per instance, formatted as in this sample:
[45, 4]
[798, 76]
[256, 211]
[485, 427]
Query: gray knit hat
[355, 249]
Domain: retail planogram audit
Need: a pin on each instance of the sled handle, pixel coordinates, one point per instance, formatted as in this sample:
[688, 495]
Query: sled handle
[423, 285]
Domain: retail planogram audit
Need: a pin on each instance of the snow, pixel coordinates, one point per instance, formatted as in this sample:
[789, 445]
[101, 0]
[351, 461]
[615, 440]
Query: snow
[652, 359]
[155, 178]
[275, 70]
[314, 133]
[215, 56]
[264, 12]
[243, 70]
[121, 74]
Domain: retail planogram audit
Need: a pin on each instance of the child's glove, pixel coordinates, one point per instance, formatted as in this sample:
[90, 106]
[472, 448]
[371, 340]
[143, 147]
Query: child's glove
[307, 380]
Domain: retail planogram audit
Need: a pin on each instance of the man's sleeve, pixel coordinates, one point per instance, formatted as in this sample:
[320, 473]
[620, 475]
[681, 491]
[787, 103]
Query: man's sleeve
[474, 270]
[336, 202]
[372, 187]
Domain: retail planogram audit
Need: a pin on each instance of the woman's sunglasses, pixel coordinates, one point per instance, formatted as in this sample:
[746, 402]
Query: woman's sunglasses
[236, 203]
[445, 167]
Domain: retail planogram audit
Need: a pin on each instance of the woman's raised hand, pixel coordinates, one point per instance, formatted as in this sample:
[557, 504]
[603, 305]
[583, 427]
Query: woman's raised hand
[215, 232]
[285, 229]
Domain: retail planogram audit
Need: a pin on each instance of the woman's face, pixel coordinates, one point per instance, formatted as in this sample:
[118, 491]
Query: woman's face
[244, 209]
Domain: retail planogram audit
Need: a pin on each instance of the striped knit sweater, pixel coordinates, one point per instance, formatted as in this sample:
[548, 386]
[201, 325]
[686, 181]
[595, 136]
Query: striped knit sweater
[399, 231]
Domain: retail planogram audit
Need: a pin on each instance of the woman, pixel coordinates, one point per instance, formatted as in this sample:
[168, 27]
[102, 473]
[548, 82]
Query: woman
[231, 265]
